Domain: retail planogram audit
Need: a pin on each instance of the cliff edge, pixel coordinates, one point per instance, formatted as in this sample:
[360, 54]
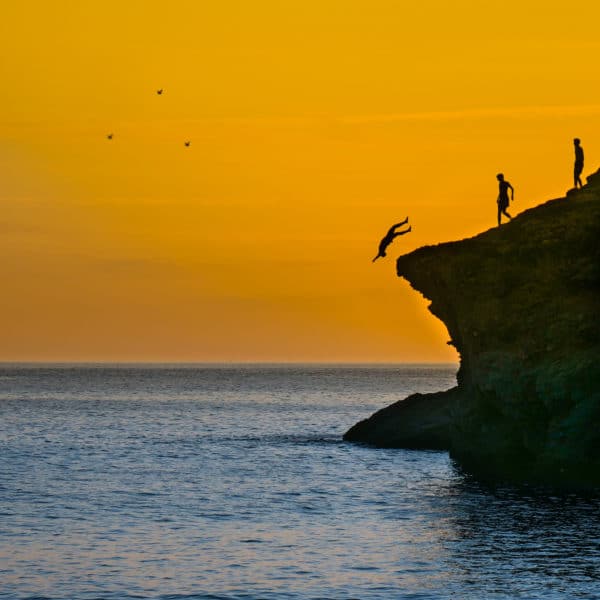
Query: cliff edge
[521, 303]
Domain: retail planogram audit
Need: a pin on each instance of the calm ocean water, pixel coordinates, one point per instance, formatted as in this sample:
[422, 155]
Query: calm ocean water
[234, 483]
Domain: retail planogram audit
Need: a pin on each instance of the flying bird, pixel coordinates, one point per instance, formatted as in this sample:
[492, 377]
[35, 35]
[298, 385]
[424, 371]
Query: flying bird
[187, 143]
[109, 136]
[159, 92]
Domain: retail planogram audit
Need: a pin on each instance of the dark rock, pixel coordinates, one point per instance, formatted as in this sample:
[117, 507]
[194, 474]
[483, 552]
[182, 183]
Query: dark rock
[522, 306]
[421, 421]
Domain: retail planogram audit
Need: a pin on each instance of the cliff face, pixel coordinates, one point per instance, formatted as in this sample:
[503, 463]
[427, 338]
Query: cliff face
[522, 305]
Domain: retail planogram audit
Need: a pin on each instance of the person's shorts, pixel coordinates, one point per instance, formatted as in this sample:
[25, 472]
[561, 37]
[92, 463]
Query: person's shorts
[578, 169]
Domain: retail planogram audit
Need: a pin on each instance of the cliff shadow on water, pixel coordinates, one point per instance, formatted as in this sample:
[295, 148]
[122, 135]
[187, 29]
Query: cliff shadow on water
[521, 304]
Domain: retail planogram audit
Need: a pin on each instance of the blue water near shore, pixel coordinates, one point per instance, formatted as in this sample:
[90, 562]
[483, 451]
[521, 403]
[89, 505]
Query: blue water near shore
[234, 483]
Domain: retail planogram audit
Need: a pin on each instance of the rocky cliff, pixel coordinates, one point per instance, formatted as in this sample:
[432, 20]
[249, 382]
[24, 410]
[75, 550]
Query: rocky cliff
[522, 306]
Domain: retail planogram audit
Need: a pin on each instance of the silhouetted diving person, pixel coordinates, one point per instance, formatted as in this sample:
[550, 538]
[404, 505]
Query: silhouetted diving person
[578, 168]
[389, 237]
[503, 187]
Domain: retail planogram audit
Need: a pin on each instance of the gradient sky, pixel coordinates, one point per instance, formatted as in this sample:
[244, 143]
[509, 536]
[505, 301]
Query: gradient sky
[314, 126]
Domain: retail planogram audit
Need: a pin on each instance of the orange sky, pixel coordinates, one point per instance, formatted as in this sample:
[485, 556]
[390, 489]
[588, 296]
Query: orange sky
[314, 126]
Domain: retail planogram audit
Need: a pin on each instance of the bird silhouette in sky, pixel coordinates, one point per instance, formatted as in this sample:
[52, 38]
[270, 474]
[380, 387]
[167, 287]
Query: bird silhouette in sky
[187, 143]
[109, 136]
[159, 92]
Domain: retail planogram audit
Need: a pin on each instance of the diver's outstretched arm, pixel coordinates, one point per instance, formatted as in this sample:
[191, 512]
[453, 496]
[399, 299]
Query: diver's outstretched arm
[378, 256]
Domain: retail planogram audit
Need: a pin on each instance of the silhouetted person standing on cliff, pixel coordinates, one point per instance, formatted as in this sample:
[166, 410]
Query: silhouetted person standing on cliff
[390, 236]
[578, 169]
[503, 187]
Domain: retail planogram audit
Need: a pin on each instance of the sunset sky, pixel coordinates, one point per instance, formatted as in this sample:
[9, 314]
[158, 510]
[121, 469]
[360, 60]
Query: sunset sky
[314, 126]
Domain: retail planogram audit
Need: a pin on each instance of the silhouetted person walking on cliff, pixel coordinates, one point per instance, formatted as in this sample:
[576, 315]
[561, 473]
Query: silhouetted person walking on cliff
[503, 187]
[389, 237]
[578, 169]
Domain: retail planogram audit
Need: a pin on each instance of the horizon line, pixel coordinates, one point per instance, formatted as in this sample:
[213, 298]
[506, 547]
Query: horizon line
[217, 363]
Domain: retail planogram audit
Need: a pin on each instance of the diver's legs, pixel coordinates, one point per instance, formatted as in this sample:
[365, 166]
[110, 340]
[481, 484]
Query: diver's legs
[397, 233]
[399, 225]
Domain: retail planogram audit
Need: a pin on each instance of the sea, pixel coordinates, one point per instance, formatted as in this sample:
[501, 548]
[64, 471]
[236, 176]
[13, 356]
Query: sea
[181, 482]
